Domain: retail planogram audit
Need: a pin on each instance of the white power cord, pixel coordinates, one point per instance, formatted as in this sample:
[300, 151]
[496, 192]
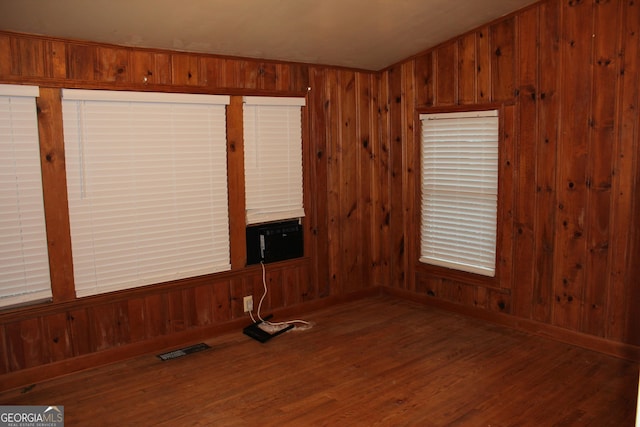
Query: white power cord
[264, 294]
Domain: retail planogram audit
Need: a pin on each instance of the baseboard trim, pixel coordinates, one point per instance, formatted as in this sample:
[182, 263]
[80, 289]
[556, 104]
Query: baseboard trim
[601, 345]
[30, 376]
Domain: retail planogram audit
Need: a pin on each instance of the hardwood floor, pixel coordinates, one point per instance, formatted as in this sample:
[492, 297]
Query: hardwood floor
[376, 361]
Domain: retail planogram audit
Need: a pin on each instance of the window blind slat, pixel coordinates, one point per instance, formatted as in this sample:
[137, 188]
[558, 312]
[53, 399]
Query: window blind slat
[459, 190]
[147, 189]
[24, 276]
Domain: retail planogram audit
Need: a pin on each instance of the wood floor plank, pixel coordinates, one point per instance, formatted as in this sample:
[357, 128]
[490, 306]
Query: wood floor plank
[377, 361]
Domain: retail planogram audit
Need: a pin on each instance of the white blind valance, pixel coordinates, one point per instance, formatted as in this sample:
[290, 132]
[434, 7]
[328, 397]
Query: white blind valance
[147, 184]
[273, 158]
[460, 190]
[24, 276]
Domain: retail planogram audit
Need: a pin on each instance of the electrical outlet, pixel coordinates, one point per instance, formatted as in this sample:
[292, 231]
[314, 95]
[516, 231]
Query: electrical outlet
[247, 303]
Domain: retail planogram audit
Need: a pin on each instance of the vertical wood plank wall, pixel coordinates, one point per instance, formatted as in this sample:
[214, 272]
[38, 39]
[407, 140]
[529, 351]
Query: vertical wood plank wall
[340, 127]
[567, 77]
[567, 73]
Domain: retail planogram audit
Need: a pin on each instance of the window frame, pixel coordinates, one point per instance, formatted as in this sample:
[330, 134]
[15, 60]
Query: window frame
[446, 272]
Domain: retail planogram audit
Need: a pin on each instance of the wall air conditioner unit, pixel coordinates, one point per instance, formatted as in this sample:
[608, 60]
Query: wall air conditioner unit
[275, 241]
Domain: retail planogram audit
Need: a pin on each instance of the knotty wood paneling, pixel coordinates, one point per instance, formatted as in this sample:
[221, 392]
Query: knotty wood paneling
[446, 74]
[152, 68]
[70, 327]
[524, 146]
[503, 60]
[112, 64]
[382, 194]
[548, 100]
[4, 356]
[623, 316]
[483, 61]
[318, 152]
[367, 101]
[185, 69]
[507, 232]
[566, 78]
[408, 243]
[81, 60]
[599, 170]
[467, 69]
[394, 160]
[576, 80]
[57, 336]
[424, 80]
[566, 73]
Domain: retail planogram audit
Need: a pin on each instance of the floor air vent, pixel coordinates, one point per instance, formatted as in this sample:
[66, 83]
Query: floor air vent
[183, 351]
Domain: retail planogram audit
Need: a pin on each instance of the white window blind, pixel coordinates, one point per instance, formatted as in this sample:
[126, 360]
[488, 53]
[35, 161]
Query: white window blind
[147, 184]
[273, 158]
[24, 272]
[460, 190]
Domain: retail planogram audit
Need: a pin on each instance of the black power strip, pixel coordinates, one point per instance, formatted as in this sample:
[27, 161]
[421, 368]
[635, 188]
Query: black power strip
[257, 333]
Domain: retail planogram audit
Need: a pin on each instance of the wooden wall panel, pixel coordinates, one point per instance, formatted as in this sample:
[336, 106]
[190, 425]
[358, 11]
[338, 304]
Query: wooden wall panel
[346, 183]
[275, 293]
[407, 248]
[483, 61]
[546, 155]
[568, 82]
[424, 80]
[136, 309]
[185, 69]
[75, 327]
[623, 316]
[333, 184]
[576, 81]
[467, 69]
[503, 59]
[524, 205]
[29, 60]
[55, 59]
[342, 126]
[366, 135]
[507, 231]
[566, 75]
[6, 66]
[150, 68]
[177, 316]
[57, 337]
[203, 306]
[155, 319]
[382, 190]
[4, 352]
[446, 74]
[81, 60]
[25, 344]
[319, 151]
[112, 64]
[601, 151]
[80, 332]
[394, 218]
[222, 301]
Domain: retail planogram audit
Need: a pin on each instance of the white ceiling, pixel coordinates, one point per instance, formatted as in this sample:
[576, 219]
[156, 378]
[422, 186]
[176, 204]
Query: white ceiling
[364, 34]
